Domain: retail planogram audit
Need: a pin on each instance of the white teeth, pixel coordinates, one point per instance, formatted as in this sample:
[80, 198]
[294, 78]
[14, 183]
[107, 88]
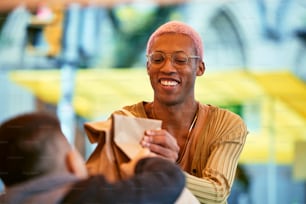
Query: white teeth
[168, 83]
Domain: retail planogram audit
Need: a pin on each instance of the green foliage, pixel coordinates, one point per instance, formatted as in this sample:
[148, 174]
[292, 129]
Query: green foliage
[132, 30]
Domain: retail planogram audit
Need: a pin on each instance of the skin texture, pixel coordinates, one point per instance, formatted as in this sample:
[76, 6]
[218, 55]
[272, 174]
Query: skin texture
[168, 99]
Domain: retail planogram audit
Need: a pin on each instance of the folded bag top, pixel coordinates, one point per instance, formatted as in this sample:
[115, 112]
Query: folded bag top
[128, 131]
[118, 141]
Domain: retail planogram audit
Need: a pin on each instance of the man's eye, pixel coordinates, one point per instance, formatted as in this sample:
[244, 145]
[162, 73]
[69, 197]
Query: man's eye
[180, 60]
[157, 59]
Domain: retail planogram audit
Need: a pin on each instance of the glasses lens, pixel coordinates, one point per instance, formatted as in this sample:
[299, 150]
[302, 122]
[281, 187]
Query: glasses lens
[179, 58]
[157, 58]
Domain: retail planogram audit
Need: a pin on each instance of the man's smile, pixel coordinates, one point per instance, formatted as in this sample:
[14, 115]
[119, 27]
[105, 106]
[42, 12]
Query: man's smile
[168, 82]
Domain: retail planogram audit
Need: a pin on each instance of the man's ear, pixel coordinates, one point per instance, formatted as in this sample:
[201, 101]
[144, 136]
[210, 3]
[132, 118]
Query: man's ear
[201, 69]
[76, 164]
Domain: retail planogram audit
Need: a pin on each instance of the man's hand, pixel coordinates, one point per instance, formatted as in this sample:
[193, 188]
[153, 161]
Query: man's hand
[162, 143]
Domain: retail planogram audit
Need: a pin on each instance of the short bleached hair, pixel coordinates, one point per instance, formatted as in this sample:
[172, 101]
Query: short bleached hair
[178, 28]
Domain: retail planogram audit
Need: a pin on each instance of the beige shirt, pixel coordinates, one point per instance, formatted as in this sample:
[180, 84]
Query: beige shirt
[212, 152]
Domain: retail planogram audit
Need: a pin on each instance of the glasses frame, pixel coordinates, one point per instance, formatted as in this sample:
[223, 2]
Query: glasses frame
[171, 58]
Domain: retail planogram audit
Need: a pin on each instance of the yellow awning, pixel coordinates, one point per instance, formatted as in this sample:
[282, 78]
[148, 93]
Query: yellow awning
[283, 119]
[280, 128]
[286, 87]
[100, 91]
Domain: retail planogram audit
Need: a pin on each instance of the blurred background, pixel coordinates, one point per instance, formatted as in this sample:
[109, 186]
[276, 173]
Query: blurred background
[83, 59]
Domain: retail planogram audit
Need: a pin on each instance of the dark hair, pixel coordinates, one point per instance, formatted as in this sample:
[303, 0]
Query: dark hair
[30, 145]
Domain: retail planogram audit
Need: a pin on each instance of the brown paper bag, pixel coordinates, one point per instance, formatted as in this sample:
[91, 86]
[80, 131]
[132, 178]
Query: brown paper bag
[118, 142]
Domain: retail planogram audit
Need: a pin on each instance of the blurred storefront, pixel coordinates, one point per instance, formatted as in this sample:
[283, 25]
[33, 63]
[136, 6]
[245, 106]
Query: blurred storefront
[255, 66]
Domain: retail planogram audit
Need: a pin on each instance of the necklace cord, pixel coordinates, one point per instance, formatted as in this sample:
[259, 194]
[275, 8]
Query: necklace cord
[195, 117]
[188, 136]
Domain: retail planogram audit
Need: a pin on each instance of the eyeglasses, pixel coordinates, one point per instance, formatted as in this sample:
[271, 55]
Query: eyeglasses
[178, 59]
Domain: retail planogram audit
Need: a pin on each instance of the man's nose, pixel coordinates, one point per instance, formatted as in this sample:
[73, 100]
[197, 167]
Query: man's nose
[168, 65]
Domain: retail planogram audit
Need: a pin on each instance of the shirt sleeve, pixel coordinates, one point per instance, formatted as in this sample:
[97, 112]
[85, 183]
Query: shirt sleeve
[205, 191]
[156, 180]
[219, 172]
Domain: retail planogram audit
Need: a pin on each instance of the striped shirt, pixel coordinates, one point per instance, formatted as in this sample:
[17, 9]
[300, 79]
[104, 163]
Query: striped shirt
[211, 156]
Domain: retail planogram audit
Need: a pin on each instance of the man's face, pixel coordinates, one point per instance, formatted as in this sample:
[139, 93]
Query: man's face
[171, 78]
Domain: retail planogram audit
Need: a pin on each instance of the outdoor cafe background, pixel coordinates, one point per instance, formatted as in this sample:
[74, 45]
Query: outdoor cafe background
[82, 62]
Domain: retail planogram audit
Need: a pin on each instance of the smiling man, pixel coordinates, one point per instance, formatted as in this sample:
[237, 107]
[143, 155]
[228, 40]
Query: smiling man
[204, 140]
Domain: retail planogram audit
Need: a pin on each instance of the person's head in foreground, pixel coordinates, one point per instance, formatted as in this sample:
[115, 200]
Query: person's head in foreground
[38, 165]
[33, 145]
